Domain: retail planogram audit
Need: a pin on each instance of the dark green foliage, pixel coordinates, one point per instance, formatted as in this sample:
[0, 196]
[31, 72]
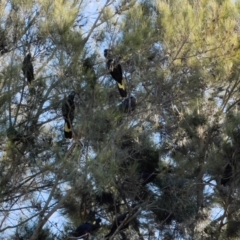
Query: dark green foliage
[120, 223]
[174, 153]
[107, 201]
[147, 177]
[172, 204]
[99, 127]
[232, 230]
[192, 122]
[105, 198]
[142, 152]
[89, 73]
[13, 135]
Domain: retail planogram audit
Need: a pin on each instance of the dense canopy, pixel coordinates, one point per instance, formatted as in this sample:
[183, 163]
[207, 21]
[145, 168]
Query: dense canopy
[158, 143]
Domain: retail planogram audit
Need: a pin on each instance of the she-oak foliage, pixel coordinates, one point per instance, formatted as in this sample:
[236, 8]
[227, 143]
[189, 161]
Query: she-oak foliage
[180, 60]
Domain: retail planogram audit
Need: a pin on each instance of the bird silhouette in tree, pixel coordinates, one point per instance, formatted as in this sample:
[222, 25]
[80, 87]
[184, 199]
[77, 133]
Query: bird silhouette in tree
[115, 70]
[68, 107]
[28, 71]
[85, 229]
[27, 68]
[227, 175]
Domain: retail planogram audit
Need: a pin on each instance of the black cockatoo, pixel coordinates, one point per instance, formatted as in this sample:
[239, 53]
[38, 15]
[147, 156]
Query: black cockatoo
[115, 70]
[3, 42]
[128, 105]
[27, 68]
[86, 228]
[116, 223]
[68, 107]
[227, 175]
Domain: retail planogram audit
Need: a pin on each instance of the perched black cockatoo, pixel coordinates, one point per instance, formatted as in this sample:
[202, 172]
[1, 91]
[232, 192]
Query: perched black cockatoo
[86, 228]
[115, 70]
[147, 177]
[117, 222]
[68, 107]
[3, 41]
[27, 68]
[227, 175]
[128, 105]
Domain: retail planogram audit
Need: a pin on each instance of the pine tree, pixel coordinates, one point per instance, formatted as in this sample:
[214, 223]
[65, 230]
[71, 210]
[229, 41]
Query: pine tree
[167, 165]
